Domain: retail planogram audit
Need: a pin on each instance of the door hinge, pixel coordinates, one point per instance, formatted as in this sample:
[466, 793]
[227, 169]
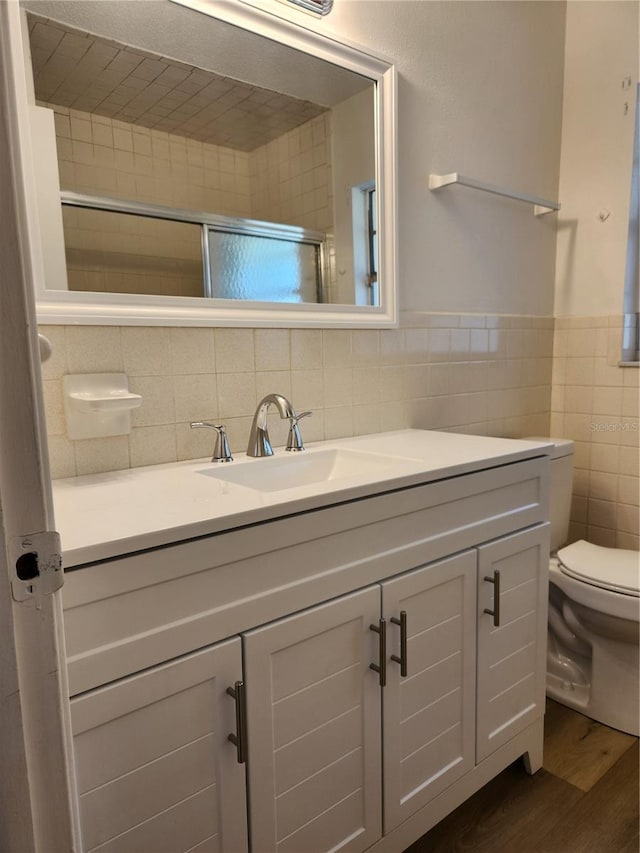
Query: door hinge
[36, 565]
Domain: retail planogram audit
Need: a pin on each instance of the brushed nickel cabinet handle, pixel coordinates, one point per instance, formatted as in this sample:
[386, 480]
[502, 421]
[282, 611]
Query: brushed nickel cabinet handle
[381, 668]
[402, 660]
[495, 580]
[239, 739]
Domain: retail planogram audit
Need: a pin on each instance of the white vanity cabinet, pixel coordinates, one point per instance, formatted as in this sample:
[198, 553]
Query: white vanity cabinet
[314, 717]
[379, 693]
[512, 654]
[429, 714]
[154, 766]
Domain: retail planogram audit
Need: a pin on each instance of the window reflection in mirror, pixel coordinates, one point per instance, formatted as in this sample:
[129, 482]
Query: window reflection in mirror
[143, 128]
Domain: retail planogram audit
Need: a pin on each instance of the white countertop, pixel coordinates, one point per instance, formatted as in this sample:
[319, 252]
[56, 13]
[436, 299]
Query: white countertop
[101, 516]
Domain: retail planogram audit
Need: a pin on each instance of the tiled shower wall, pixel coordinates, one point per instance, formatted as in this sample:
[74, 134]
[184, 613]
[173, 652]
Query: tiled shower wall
[469, 373]
[595, 403]
[130, 254]
[109, 157]
[291, 178]
[288, 180]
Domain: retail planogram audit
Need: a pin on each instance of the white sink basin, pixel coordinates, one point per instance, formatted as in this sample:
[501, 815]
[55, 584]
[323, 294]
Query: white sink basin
[276, 473]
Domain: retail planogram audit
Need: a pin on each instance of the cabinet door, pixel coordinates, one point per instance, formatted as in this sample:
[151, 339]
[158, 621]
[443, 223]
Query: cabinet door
[512, 654]
[155, 769]
[429, 715]
[313, 715]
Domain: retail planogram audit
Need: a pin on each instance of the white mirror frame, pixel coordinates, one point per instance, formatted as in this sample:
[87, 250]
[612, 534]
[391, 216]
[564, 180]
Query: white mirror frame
[69, 307]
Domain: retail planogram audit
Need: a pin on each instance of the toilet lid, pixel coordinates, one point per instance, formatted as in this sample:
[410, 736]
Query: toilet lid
[615, 569]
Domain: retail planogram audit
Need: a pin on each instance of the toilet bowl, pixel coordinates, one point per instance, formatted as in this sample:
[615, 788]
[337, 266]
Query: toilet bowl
[593, 652]
[593, 656]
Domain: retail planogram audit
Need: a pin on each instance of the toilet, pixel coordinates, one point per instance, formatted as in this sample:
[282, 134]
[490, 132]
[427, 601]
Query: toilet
[594, 616]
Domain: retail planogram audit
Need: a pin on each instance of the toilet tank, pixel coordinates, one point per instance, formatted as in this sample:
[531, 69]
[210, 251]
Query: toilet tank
[561, 489]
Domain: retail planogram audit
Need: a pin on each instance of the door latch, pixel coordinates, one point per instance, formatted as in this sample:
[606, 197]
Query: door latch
[36, 561]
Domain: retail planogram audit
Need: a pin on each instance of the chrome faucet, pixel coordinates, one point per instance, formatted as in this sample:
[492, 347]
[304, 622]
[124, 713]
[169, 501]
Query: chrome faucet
[294, 439]
[259, 442]
[221, 452]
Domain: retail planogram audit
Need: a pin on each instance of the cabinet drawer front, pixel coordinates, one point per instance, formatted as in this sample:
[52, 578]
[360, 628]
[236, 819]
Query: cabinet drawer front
[154, 767]
[128, 614]
[511, 657]
[314, 729]
[429, 714]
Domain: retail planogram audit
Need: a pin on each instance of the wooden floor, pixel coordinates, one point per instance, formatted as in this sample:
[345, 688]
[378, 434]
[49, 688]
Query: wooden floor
[584, 800]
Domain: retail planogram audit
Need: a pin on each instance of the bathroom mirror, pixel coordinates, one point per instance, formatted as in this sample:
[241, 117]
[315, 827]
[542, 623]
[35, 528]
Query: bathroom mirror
[208, 163]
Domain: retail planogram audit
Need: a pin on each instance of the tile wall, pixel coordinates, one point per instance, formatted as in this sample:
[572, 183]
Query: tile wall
[291, 179]
[287, 180]
[130, 254]
[468, 373]
[595, 403]
[110, 157]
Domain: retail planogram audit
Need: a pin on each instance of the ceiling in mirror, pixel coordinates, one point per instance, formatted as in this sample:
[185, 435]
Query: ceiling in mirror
[197, 161]
[75, 69]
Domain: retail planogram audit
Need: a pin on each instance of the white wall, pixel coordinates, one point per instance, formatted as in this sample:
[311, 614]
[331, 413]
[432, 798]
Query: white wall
[597, 144]
[480, 92]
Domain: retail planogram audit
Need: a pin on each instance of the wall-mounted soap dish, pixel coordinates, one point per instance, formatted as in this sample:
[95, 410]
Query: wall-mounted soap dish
[98, 404]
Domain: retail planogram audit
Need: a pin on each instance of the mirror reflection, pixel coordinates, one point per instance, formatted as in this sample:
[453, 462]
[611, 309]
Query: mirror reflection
[179, 180]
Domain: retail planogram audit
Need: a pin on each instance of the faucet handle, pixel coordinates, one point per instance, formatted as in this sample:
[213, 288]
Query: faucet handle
[294, 441]
[221, 451]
